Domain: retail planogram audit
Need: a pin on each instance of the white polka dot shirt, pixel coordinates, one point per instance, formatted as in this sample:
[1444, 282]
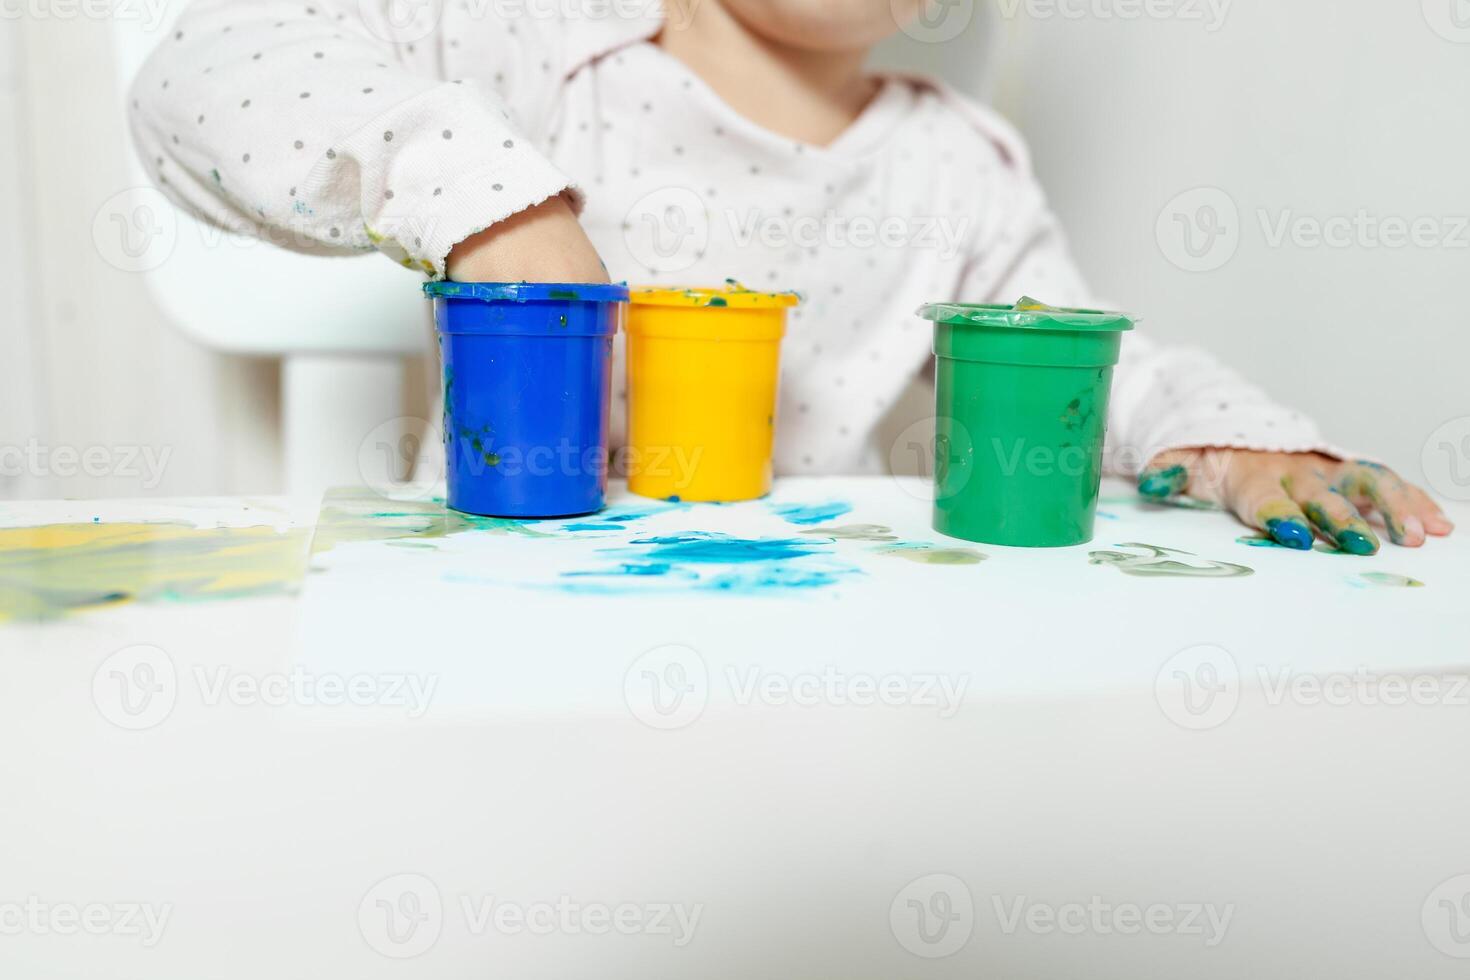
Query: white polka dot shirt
[336, 125]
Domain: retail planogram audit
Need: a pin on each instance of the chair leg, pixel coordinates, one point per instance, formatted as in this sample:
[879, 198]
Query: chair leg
[333, 408]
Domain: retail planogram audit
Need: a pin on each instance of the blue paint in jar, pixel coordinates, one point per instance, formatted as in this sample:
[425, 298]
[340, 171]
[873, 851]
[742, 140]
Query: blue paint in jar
[527, 393]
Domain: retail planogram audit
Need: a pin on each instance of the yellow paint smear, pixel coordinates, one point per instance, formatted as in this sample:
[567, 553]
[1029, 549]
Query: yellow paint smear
[55, 569]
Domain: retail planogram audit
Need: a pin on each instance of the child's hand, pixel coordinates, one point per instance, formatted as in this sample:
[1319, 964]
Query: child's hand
[545, 243]
[1288, 494]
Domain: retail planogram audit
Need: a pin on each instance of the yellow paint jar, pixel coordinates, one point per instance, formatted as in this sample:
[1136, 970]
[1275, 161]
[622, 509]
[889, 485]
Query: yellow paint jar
[703, 367]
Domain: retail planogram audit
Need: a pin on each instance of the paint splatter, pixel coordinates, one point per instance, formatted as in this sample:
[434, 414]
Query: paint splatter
[1107, 515]
[923, 553]
[1391, 580]
[708, 561]
[855, 532]
[1255, 541]
[358, 514]
[1166, 562]
[1149, 503]
[808, 514]
[50, 571]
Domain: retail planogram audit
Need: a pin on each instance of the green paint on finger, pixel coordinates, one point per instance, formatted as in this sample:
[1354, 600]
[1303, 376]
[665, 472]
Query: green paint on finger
[1163, 483]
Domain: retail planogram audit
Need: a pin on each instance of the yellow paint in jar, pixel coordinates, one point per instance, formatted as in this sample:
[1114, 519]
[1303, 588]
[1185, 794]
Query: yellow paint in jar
[703, 369]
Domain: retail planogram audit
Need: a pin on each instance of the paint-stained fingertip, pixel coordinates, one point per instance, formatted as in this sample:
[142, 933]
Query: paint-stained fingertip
[1164, 483]
[1357, 543]
[1291, 534]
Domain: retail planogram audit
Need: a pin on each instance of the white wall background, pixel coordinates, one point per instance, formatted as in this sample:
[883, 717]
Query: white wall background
[1312, 108]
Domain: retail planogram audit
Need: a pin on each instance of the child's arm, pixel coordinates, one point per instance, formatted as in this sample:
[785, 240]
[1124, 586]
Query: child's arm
[1181, 422]
[326, 126]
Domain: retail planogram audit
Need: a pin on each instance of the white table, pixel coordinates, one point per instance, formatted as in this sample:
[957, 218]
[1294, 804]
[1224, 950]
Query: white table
[1032, 768]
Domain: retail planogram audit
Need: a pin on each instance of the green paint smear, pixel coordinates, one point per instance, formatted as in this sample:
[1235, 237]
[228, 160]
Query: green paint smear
[1157, 562]
[923, 553]
[1391, 580]
[855, 532]
[357, 514]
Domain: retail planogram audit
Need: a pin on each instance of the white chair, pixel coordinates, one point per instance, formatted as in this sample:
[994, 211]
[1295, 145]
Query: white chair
[341, 326]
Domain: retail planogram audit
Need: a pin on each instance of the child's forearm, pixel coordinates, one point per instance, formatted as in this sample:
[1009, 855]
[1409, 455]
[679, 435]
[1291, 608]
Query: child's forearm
[311, 126]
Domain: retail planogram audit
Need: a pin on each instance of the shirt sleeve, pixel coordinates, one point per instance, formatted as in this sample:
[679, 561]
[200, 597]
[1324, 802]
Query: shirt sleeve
[1163, 397]
[329, 126]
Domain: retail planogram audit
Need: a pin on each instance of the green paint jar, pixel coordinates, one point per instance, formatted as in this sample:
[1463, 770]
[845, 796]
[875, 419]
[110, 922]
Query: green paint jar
[1021, 412]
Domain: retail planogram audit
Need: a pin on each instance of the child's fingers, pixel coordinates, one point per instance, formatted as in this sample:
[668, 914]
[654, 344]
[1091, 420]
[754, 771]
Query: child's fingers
[1435, 521]
[1260, 501]
[1167, 474]
[1390, 496]
[1332, 513]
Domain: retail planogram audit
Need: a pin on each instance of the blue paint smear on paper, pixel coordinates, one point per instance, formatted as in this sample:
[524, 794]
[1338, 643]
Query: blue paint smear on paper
[808, 514]
[594, 527]
[710, 547]
[708, 561]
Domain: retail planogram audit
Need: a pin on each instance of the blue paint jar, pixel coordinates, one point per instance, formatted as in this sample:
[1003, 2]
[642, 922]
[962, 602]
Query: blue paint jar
[527, 388]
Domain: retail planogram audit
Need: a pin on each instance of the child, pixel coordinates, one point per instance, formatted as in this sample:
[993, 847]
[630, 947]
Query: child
[507, 140]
